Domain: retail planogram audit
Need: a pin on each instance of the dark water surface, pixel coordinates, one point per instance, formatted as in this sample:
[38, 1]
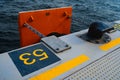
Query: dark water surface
[84, 12]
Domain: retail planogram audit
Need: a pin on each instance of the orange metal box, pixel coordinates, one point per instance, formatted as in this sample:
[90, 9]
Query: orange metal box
[45, 21]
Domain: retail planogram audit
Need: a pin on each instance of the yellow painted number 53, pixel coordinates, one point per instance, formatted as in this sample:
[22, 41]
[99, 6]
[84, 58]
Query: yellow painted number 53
[42, 54]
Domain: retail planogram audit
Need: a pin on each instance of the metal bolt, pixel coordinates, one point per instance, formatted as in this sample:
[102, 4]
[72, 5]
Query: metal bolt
[66, 45]
[31, 19]
[57, 49]
[47, 13]
[67, 15]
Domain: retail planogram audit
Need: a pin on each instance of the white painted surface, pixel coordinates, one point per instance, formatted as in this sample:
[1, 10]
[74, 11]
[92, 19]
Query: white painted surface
[78, 46]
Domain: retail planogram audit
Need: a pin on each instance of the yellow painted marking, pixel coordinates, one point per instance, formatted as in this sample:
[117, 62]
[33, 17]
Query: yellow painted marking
[25, 60]
[62, 68]
[43, 55]
[110, 45]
